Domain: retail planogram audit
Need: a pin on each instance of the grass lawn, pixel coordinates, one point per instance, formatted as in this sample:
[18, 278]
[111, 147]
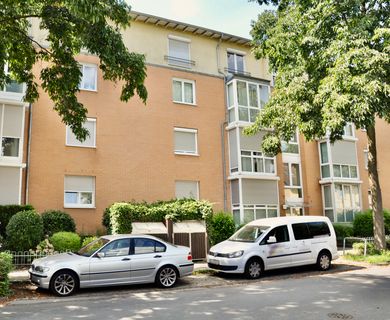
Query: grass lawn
[382, 258]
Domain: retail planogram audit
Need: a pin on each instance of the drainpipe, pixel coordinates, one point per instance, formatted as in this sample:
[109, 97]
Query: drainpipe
[27, 179]
[223, 125]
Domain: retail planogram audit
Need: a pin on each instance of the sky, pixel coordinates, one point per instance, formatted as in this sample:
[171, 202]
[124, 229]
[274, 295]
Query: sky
[229, 16]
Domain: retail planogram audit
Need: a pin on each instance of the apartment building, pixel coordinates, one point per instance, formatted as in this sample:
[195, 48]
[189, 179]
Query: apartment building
[204, 88]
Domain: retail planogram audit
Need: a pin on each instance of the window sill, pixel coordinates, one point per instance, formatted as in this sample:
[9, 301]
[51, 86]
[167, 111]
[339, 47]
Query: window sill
[88, 90]
[68, 206]
[76, 146]
[186, 154]
[185, 103]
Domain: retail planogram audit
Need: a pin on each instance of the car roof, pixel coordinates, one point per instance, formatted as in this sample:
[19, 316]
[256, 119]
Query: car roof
[123, 236]
[287, 219]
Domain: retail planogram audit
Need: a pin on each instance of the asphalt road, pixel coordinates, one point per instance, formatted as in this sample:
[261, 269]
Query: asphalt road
[357, 294]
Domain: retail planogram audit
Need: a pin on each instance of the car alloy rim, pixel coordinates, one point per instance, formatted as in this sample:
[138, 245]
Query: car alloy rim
[64, 284]
[254, 269]
[324, 262]
[167, 277]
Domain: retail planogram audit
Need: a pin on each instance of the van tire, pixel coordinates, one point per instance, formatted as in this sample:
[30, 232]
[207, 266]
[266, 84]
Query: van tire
[324, 261]
[253, 268]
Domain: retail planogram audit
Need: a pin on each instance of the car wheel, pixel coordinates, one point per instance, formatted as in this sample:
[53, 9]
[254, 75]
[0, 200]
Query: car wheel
[64, 283]
[253, 269]
[166, 277]
[324, 261]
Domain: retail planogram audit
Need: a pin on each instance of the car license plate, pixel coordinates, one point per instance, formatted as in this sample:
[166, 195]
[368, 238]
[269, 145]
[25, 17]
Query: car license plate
[214, 261]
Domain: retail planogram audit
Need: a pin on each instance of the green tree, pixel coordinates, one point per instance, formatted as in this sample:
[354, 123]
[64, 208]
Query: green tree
[332, 60]
[93, 25]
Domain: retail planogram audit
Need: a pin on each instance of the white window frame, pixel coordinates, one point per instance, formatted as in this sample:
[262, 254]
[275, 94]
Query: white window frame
[20, 138]
[292, 142]
[236, 53]
[344, 186]
[182, 82]
[349, 171]
[290, 185]
[79, 205]
[252, 158]
[197, 187]
[183, 64]
[365, 155]
[329, 163]
[83, 65]
[331, 200]
[184, 152]
[69, 131]
[352, 127]
[254, 207]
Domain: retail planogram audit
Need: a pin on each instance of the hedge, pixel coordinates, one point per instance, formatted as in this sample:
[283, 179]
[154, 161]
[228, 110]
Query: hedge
[5, 268]
[363, 224]
[6, 212]
[221, 227]
[119, 216]
[65, 241]
[56, 221]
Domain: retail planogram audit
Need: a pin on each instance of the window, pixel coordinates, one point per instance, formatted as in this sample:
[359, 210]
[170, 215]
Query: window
[187, 189]
[117, 248]
[310, 230]
[251, 97]
[12, 85]
[145, 245]
[292, 181]
[280, 233]
[183, 91]
[256, 162]
[89, 142]
[254, 212]
[345, 171]
[347, 201]
[89, 77]
[291, 146]
[179, 52]
[301, 231]
[11, 127]
[186, 141]
[324, 158]
[348, 130]
[328, 202]
[235, 62]
[365, 155]
[79, 192]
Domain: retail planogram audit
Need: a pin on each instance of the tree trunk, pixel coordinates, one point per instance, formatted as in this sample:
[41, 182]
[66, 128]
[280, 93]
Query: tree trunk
[377, 206]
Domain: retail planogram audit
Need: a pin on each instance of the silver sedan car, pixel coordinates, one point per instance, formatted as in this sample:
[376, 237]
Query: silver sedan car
[113, 260]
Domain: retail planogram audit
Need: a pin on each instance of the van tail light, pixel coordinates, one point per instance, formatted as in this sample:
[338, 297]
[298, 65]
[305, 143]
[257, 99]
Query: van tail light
[189, 257]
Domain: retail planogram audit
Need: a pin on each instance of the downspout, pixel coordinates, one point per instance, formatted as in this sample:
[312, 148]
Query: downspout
[27, 179]
[223, 125]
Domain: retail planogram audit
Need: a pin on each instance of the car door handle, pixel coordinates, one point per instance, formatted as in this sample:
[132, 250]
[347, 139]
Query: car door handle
[126, 259]
[157, 256]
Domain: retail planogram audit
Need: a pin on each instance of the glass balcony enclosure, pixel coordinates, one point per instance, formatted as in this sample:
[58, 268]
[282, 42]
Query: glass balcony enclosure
[246, 99]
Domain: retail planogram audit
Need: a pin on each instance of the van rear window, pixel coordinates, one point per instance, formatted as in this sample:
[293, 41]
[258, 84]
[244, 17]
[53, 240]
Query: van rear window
[310, 230]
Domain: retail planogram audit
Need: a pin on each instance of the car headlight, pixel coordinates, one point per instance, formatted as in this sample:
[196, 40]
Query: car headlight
[236, 254]
[41, 269]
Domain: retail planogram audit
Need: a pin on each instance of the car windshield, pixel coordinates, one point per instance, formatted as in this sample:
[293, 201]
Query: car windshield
[248, 233]
[92, 247]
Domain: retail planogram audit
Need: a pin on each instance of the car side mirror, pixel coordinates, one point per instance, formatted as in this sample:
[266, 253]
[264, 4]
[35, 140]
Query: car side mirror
[101, 254]
[271, 239]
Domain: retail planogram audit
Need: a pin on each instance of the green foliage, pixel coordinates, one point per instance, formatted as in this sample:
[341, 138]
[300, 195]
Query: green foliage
[70, 25]
[363, 224]
[381, 258]
[5, 267]
[119, 216]
[56, 221]
[343, 230]
[44, 247]
[359, 248]
[6, 212]
[65, 241]
[24, 231]
[88, 240]
[220, 227]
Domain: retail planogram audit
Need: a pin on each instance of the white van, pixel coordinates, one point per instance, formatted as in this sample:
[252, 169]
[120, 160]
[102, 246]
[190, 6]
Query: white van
[273, 243]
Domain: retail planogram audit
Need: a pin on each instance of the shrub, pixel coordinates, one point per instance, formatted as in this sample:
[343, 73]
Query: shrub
[24, 231]
[88, 240]
[44, 247]
[363, 224]
[359, 248]
[6, 212]
[65, 241]
[343, 230]
[5, 268]
[56, 221]
[221, 227]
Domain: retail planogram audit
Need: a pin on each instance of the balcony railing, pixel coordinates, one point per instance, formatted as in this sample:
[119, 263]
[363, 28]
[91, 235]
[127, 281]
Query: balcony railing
[179, 62]
[238, 72]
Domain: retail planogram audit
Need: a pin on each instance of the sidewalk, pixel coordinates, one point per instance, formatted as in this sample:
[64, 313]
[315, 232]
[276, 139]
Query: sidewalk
[23, 275]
